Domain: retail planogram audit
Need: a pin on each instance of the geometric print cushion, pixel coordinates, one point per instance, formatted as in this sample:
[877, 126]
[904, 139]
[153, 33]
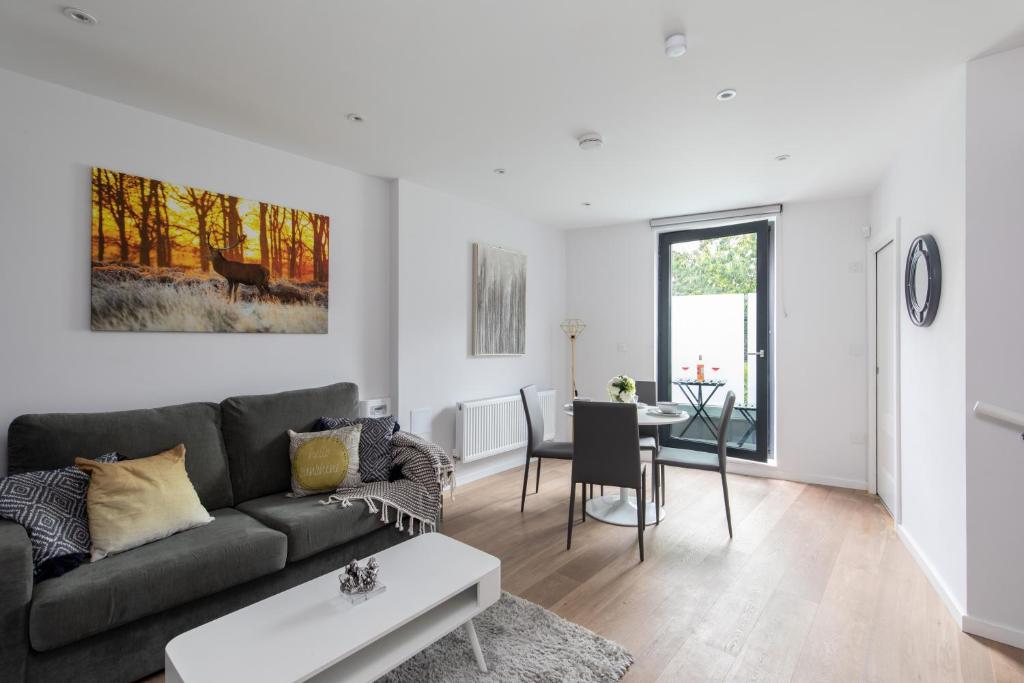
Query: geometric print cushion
[50, 504]
[374, 443]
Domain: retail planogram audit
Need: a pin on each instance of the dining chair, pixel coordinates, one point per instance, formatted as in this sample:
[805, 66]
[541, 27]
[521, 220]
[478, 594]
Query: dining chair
[606, 451]
[698, 460]
[647, 392]
[536, 446]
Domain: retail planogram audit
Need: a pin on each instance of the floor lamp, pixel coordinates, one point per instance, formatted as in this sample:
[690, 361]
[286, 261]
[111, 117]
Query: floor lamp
[573, 327]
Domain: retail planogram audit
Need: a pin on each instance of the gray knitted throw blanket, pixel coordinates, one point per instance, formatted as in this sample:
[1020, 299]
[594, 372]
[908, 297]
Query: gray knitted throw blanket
[416, 497]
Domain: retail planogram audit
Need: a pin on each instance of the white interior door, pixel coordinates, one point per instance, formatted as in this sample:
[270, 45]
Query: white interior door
[886, 302]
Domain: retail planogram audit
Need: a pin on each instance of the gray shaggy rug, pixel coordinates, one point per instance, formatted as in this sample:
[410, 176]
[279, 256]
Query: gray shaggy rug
[521, 641]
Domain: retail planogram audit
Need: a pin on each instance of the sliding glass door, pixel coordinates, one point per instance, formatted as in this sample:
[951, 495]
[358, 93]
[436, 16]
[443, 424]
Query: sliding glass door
[713, 335]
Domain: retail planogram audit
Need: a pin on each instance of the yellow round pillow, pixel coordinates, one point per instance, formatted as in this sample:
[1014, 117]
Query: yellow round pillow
[323, 461]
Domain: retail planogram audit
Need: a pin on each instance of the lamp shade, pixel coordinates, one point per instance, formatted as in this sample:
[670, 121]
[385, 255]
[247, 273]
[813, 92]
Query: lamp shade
[573, 326]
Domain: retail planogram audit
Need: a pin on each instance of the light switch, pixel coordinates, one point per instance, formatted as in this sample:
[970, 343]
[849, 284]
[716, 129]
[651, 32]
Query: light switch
[419, 421]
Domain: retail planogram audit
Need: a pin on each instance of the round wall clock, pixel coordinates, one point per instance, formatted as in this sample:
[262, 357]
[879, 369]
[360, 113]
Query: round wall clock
[923, 280]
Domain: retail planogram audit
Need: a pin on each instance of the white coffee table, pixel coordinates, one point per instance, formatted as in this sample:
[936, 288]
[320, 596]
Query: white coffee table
[435, 584]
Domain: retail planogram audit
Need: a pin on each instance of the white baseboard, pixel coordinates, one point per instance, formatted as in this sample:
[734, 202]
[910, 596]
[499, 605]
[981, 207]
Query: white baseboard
[757, 469]
[966, 622]
[952, 604]
[466, 472]
[999, 632]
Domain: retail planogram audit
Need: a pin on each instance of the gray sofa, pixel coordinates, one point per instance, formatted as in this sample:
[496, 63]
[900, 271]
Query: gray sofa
[110, 620]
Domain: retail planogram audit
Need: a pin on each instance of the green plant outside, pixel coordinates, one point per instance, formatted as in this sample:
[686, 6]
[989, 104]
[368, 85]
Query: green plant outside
[726, 265]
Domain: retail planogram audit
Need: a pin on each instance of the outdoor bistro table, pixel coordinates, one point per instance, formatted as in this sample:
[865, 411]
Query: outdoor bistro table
[621, 509]
[749, 414]
[694, 393]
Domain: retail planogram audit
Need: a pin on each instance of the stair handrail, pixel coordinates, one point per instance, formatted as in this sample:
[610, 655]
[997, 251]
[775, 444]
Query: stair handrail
[1004, 416]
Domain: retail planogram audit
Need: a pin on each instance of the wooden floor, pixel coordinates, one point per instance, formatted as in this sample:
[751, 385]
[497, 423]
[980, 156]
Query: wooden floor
[815, 586]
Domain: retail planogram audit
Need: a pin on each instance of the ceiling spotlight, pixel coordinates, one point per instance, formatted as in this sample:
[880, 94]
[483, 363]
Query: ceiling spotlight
[590, 141]
[675, 45]
[355, 118]
[782, 157]
[81, 16]
[499, 171]
[584, 203]
[726, 95]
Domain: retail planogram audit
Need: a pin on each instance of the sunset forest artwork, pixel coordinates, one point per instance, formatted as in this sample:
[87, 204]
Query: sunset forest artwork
[173, 258]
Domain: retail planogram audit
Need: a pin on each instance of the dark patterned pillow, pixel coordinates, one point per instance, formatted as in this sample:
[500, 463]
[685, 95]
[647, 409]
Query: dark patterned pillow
[50, 504]
[374, 443]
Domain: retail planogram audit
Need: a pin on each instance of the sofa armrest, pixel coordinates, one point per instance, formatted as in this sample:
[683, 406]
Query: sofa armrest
[15, 596]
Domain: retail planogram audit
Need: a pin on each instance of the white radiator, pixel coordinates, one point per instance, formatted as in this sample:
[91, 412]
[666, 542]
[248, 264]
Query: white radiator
[489, 426]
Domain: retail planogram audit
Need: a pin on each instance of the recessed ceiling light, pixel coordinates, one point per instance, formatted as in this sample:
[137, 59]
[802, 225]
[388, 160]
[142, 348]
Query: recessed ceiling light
[782, 157]
[355, 118]
[499, 171]
[726, 95]
[590, 141]
[675, 45]
[584, 203]
[81, 16]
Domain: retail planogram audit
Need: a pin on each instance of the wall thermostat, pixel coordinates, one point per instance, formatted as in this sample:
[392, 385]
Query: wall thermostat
[375, 407]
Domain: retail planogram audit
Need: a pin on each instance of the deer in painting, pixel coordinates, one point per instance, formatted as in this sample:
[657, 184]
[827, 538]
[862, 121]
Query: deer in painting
[238, 273]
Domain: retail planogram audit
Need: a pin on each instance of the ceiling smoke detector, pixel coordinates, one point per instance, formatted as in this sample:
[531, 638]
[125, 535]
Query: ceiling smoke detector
[675, 45]
[81, 16]
[726, 95]
[499, 171]
[590, 141]
[355, 118]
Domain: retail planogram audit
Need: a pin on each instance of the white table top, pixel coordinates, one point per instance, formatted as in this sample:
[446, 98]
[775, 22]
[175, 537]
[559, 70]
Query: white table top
[291, 635]
[645, 418]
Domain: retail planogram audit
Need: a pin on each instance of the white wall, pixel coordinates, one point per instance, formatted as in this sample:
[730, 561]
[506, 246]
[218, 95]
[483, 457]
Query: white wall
[435, 367]
[50, 361]
[821, 324]
[923, 192]
[994, 330]
[819, 355]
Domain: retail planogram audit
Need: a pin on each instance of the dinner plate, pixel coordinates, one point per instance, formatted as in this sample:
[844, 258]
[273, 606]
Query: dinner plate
[661, 413]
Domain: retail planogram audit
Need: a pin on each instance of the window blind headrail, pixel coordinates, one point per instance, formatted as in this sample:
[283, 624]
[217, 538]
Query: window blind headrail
[713, 216]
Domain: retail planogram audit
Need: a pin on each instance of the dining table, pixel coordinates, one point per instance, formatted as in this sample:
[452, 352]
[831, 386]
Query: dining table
[620, 509]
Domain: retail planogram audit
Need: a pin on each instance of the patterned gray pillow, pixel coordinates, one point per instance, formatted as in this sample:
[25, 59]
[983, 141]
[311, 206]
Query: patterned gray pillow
[374, 444]
[50, 504]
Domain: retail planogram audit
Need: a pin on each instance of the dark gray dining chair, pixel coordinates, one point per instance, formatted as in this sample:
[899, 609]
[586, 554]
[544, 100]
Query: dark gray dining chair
[606, 451]
[647, 392]
[698, 460]
[536, 446]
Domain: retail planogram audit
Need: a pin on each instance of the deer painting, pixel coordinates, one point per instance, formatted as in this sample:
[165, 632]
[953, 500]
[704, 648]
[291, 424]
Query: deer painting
[238, 273]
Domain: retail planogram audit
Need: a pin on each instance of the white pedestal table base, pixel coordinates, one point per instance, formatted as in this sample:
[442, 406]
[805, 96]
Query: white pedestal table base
[619, 510]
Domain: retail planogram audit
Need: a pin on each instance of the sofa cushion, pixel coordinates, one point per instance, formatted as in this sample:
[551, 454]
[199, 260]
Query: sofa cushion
[135, 502]
[324, 461]
[374, 443]
[256, 433]
[50, 504]
[96, 597]
[310, 525]
[49, 441]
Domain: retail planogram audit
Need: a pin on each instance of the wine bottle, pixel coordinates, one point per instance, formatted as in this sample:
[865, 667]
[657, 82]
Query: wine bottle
[700, 368]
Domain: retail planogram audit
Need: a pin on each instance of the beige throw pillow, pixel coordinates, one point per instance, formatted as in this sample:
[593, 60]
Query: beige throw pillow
[323, 461]
[134, 502]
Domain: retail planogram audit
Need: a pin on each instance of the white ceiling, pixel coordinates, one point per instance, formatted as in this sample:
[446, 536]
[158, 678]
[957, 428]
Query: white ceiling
[452, 89]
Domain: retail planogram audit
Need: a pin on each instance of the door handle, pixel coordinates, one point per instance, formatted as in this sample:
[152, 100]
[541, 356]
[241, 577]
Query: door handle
[759, 354]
